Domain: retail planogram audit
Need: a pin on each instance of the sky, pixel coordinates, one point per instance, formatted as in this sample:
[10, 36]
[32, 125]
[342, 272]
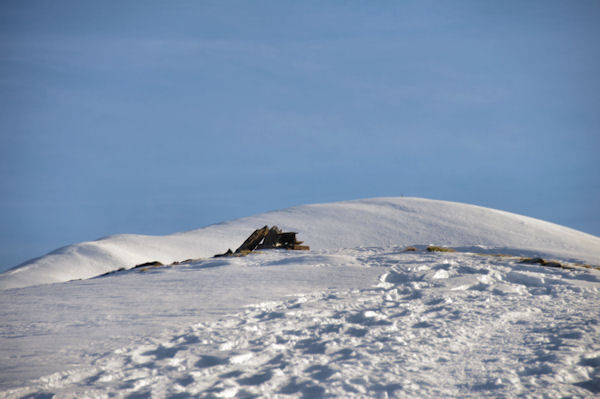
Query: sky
[153, 117]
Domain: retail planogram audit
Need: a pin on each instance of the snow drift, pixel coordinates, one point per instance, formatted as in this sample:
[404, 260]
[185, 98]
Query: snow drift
[361, 223]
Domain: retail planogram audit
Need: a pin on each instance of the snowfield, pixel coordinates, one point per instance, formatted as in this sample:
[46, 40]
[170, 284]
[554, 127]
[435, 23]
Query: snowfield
[357, 316]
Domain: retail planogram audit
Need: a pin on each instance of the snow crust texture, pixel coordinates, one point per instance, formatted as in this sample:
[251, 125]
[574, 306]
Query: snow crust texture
[431, 325]
[371, 222]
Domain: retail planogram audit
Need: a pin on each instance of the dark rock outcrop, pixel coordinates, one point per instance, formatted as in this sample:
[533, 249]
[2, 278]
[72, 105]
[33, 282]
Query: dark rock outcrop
[148, 264]
[543, 262]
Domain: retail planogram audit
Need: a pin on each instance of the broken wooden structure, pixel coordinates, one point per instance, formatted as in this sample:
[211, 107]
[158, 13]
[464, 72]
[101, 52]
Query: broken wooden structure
[268, 238]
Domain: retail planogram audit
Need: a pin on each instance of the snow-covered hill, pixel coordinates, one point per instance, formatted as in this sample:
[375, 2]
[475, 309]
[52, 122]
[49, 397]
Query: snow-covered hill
[372, 222]
[356, 316]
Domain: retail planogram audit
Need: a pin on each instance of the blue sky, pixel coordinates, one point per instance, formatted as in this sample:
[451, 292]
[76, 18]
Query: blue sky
[156, 117]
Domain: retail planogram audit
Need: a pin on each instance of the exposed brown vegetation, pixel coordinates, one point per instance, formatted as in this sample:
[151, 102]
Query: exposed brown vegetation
[543, 262]
[433, 248]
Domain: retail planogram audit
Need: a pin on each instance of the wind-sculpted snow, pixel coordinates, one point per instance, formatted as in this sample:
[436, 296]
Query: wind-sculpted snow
[373, 222]
[418, 324]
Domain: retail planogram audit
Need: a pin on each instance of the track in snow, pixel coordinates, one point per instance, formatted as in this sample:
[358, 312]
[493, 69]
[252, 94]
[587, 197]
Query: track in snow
[435, 325]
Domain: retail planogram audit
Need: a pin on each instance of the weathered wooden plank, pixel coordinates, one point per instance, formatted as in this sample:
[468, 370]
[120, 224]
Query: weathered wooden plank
[253, 240]
[228, 253]
[300, 248]
[287, 239]
[268, 238]
[271, 239]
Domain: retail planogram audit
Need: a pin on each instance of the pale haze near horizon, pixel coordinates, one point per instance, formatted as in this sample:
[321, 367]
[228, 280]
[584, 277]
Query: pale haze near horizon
[152, 118]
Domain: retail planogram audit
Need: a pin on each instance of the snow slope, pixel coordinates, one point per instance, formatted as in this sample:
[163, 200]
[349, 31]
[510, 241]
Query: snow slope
[363, 322]
[370, 222]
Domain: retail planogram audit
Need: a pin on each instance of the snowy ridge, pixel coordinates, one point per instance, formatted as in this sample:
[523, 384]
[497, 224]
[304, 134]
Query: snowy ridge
[370, 222]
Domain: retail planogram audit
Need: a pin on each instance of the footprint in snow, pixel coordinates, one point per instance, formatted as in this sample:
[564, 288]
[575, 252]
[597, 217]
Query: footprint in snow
[320, 372]
[593, 383]
[256, 379]
[306, 388]
[207, 361]
[311, 346]
[162, 352]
